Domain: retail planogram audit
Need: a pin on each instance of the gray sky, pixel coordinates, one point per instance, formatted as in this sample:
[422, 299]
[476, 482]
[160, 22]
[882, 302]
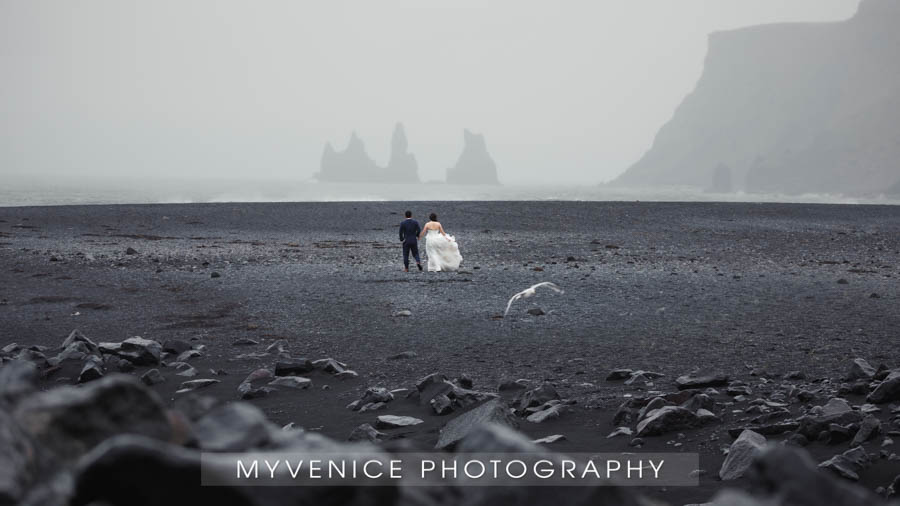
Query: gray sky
[568, 91]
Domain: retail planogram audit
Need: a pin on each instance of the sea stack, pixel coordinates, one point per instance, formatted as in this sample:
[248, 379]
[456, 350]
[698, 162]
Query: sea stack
[402, 166]
[353, 165]
[475, 165]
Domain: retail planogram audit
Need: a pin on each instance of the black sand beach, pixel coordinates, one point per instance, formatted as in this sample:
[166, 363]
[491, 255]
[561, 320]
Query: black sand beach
[753, 291]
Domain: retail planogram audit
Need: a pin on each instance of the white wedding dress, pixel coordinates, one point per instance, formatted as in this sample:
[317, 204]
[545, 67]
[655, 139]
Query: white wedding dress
[443, 252]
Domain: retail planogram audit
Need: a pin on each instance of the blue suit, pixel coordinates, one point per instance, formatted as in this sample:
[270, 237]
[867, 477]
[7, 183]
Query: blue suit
[409, 234]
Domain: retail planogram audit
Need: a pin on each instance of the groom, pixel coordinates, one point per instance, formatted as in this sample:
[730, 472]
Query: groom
[409, 235]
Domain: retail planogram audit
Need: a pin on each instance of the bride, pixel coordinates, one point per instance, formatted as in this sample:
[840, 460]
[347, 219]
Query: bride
[442, 250]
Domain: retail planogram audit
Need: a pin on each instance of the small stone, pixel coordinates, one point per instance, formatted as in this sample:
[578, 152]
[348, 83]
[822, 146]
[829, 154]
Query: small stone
[396, 422]
[701, 381]
[402, 313]
[441, 405]
[887, 391]
[842, 281]
[848, 464]
[403, 355]
[345, 375]
[636, 442]
[554, 411]
[860, 369]
[536, 311]
[620, 431]
[366, 432]
[550, 439]
[152, 377]
[296, 382]
[188, 386]
[92, 370]
[176, 346]
[741, 455]
[131, 251]
[245, 341]
[215, 274]
[619, 374]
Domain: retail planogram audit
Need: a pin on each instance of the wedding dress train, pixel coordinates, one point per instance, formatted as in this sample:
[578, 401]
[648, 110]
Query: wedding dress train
[443, 252]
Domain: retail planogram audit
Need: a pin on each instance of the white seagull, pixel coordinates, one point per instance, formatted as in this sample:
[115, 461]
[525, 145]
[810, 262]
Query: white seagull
[530, 292]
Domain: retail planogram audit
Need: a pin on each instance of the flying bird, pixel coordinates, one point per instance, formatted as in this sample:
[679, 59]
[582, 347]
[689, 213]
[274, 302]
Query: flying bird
[531, 292]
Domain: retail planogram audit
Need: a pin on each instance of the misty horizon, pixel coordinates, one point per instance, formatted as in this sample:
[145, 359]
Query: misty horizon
[569, 94]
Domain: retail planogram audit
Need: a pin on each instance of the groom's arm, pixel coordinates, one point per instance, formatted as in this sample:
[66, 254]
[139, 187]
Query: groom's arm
[401, 233]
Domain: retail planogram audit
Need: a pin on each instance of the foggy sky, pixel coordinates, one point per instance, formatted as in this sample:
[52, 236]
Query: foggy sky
[564, 92]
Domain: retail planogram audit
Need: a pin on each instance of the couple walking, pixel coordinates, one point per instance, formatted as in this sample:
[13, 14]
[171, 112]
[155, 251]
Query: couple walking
[441, 248]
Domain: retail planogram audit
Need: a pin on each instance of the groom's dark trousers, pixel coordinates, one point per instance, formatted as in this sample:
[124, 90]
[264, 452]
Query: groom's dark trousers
[409, 234]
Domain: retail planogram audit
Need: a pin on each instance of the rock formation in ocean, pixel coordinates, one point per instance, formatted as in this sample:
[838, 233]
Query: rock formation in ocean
[354, 165]
[790, 108]
[402, 165]
[475, 165]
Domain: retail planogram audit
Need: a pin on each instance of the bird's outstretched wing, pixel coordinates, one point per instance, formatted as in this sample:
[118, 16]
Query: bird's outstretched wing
[513, 299]
[552, 286]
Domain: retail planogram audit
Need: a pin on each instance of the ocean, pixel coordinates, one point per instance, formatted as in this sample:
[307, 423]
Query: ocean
[74, 191]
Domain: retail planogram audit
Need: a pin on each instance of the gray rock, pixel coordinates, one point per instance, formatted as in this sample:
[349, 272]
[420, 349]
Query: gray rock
[812, 424]
[176, 346]
[620, 431]
[191, 385]
[667, 419]
[848, 464]
[836, 406]
[293, 367]
[188, 354]
[403, 355]
[536, 311]
[537, 396]
[554, 411]
[860, 369]
[441, 405]
[507, 385]
[92, 370]
[366, 432]
[296, 382]
[868, 429]
[152, 377]
[396, 422]
[741, 455]
[618, 374]
[234, 427]
[888, 390]
[330, 365]
[137, 350]
[347, 374]
[70, 421]
[402, 313]
[77, 337]
[491, 412]
[701, 380]
[549, 439]
[645, 377]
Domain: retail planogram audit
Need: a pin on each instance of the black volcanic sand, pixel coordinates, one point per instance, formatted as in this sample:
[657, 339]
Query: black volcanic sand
[657, 286]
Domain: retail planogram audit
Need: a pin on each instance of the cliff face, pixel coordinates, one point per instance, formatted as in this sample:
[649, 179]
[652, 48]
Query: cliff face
[354, 164]
[790, 108]
[475, 165]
